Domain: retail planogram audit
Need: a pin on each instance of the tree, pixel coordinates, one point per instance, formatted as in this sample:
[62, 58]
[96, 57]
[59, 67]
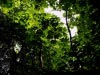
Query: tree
[82, 46]
[42, 38]
[44, 41]
[10, 32]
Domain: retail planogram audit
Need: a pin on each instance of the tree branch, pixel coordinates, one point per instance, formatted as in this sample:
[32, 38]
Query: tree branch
[69, 31]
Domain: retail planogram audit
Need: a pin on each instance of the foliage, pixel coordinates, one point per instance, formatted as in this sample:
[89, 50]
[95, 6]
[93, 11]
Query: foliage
[44, 40]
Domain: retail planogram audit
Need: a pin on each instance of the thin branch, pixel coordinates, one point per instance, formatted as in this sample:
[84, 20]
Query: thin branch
[69, 31]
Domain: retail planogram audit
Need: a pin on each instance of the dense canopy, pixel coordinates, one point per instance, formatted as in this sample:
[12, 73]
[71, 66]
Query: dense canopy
[35, 42]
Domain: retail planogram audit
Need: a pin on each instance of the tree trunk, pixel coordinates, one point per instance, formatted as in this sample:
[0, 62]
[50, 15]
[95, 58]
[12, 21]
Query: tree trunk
[41, 59]
[69, 31]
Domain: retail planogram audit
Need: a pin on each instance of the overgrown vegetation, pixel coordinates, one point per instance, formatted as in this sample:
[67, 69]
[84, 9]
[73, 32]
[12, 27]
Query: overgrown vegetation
[34, 42]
